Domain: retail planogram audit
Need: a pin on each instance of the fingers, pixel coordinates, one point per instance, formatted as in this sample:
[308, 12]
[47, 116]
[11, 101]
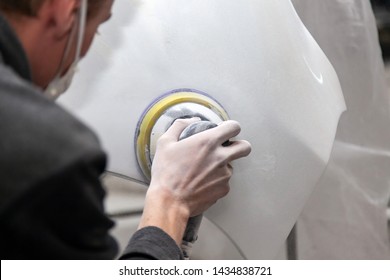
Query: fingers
[174, 131]
[217, 136]
[238, 149]
[220, 134]
[223, 132]
[235, 149]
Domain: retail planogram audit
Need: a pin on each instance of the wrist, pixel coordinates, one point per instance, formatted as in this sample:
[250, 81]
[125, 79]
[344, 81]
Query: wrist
[163, 210]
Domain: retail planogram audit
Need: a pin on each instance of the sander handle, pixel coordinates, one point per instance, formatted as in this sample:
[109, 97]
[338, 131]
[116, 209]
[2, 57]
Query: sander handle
[193, 224]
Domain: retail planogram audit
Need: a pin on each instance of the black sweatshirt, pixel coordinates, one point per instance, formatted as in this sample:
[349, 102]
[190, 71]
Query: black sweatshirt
[51, 198]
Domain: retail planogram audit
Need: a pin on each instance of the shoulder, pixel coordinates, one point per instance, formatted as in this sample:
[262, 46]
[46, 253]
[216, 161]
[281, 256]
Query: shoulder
[38, 137]
[37, 122]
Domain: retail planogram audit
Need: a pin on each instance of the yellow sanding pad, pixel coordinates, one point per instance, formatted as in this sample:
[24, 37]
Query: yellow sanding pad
[160, 114]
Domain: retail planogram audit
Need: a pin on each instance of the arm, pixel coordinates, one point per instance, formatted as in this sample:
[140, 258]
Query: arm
[189, 176]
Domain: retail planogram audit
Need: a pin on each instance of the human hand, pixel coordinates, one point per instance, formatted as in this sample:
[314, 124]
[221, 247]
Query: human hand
[190, 175]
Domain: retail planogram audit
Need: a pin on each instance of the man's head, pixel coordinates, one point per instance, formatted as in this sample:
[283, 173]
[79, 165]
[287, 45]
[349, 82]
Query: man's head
[45, 26]
[31, 7]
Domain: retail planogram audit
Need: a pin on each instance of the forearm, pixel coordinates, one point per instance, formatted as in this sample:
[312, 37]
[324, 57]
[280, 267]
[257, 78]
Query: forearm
[165, 213]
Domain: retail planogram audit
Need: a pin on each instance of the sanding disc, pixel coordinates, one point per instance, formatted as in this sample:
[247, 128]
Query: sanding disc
[162, 112]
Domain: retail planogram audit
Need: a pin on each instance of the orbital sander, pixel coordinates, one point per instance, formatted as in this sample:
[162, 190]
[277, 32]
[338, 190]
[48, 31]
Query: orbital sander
[155, 121]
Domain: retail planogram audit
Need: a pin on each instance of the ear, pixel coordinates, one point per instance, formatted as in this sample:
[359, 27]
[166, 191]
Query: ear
[58, 16]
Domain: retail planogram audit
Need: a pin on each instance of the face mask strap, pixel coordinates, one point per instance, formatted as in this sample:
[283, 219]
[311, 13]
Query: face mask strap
[66, 51]
[52, 89]
[82, 22]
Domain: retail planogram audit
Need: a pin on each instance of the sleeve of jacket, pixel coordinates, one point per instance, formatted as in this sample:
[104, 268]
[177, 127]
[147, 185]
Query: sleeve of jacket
[152, 243]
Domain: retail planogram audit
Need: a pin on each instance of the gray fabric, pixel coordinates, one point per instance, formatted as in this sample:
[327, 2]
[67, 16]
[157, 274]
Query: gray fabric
[152, 243]
[12, 51]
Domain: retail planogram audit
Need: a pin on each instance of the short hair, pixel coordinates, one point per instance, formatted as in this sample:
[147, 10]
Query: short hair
[31, 7]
